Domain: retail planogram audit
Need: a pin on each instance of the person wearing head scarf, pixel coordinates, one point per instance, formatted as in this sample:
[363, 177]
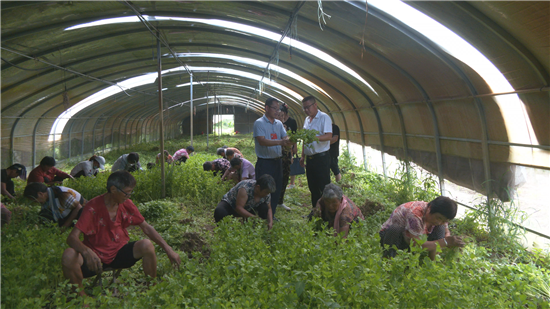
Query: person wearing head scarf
[337, 209]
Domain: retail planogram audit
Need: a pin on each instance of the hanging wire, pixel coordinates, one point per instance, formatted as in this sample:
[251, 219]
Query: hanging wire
[293, 34]
[21, 68]
[362, 42]
[321, 14]
[65, 95]
[275, 54]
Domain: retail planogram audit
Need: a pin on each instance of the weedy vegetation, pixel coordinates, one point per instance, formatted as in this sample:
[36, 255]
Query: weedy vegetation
[242, 265]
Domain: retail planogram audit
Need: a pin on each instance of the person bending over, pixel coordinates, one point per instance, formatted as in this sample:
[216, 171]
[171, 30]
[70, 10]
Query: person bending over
[127, 162]
[241, 169]
[219, 165]
[47, 173]
[59, 204]
[89, 168]
[223, 152]
[230, 154]
[249, 198]
[337, 209]
[167, 158]
[182, 155]
[103, 224]
[412, 220]
[14, 171]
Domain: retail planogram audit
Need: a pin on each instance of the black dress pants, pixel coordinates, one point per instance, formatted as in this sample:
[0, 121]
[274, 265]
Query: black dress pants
[273, 167]
[318, 175]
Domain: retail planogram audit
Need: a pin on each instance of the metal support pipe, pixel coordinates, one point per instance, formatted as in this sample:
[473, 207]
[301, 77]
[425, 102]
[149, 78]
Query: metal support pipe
[93, 134]
[192, 115]
[53, 142]
[82, 143]
[104, 125]
[33, 144]
[70, 138]
[438, 100]
[207, 118]
[161, 120]
[113, 135]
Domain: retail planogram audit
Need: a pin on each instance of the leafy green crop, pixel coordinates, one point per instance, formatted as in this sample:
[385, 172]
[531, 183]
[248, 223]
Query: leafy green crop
[305, 136]
[242, 265]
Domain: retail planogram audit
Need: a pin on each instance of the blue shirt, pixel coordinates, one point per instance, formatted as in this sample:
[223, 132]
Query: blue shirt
[271, 131]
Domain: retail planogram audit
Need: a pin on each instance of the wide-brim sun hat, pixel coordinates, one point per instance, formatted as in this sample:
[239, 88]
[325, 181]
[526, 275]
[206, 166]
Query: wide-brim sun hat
[101, 161]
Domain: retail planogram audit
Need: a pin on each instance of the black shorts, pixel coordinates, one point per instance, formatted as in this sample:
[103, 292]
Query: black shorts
[334, 165]
[124, 259]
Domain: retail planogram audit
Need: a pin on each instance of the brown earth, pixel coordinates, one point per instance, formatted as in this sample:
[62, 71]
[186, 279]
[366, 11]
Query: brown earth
[369, 208]
[186, 221]
[193, 242]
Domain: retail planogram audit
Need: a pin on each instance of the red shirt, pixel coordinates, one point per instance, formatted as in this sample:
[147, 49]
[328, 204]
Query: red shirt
[37, 175]
[102, 235]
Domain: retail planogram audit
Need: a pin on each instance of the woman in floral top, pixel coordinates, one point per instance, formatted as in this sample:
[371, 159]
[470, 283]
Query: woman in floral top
[337, 209]
[249, 198]
[218, 165]
[412, 220]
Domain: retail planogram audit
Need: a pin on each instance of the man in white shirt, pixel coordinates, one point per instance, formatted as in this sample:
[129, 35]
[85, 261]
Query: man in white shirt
[317, 153]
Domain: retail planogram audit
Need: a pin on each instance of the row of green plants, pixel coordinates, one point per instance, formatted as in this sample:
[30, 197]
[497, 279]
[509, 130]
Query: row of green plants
[238, 265]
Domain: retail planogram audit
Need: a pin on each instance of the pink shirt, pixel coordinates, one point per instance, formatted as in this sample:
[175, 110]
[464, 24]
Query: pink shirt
[180, 153]
[409, 215]
[104, 236]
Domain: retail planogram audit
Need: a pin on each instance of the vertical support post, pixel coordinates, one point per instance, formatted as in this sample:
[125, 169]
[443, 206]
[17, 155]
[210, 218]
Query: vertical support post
[53, 144]
[207, 119]
[161, 122]
[192, 115]
[365, 156]
[384, 164]
[33, 143]
[104, 125]
[70, 137]
[82, 143]
[93, 134]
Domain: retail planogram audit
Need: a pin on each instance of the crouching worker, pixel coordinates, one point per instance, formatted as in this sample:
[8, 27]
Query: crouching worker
[412, 220]
[337, 209]
[249, 198]
[241, 169]
[89, 168]
[127, 162]
[59, 204]
[219, 165]
[103, 223]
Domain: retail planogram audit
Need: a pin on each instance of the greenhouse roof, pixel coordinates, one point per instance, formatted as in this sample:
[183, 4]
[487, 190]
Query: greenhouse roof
[461, 88]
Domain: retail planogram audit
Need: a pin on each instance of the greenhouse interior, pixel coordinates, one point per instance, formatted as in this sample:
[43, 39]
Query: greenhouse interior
[431, 98]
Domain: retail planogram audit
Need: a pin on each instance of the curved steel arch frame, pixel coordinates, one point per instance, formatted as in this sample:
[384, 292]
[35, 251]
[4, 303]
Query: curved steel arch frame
[442, 56]
[381, 132]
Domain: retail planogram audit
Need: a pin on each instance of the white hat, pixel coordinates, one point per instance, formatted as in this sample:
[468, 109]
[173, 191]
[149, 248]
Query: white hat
[101, 161]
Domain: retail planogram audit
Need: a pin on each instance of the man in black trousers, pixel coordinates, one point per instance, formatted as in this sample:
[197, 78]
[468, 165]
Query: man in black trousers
[317, 153]
[269, 138]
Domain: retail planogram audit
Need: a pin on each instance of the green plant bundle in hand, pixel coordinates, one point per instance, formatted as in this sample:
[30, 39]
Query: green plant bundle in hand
[305, 135]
